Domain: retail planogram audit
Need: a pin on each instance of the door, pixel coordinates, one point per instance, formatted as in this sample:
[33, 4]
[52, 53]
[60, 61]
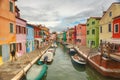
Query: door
[5, 53]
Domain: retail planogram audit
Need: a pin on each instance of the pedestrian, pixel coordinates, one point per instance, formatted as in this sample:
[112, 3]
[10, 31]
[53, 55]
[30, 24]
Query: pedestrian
[13, 55]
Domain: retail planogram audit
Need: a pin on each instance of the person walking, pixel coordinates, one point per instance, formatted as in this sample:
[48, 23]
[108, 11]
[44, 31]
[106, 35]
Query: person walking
[13, 55]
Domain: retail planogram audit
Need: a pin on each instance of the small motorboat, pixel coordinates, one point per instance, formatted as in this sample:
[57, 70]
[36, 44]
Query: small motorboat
[76, 58]
[47, 57]
[37, 71]
[51, 50]
[72, 51]
[69, 46]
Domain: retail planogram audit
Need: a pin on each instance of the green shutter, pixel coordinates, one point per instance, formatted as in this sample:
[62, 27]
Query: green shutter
[11, 28]
[11, 6]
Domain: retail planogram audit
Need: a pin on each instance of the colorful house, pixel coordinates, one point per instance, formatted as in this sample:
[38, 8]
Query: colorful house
[30, 38]
[60, 37]
[7, 28]
[64, 36]
[20, 34]
[92, 31]
[70, 35]
[37, 36]
[116, 27]
[106, 22]
[44, 33]
[81, 34]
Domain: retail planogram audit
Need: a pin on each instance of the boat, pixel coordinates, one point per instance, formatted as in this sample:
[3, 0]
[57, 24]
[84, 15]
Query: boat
[54, 45]
[76, 58]
[72, 51]
[51, 50]
[69, 46]
[37, 71]
[48, 57]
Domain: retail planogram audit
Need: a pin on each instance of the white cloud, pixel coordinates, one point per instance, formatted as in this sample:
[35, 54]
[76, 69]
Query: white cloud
[57, 14]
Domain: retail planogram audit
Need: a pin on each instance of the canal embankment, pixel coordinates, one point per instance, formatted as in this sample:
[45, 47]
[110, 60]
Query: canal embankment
[105, 66]
[16, 69]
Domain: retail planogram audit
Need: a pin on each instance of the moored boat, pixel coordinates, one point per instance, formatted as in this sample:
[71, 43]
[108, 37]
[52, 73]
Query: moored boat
[40, 71]
[78, 59]
[47, 57]
[72, 51]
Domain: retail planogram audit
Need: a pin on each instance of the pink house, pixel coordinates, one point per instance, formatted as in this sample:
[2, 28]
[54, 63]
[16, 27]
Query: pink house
[20, 34]
[81, 34]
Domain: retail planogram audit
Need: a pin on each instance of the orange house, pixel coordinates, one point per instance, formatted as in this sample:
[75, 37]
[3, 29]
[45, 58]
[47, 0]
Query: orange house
[7, 28]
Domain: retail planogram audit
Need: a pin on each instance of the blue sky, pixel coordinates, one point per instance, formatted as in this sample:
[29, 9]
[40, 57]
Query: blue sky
[57, 15]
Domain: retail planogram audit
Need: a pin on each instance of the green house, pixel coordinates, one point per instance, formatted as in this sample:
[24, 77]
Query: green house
[92, 32]
[64, 36]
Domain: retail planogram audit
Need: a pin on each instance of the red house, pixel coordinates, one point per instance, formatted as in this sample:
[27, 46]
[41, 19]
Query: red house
[37, 36]
[81, 34]
[116, 27]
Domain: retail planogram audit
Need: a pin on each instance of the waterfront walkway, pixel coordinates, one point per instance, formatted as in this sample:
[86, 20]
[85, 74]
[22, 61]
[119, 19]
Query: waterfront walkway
[9, 69]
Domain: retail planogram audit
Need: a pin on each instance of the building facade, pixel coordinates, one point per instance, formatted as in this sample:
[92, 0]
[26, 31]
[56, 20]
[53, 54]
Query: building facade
[81, 34]
[92, 31]
[30, 38]
[20, 34]
[106, 22]
[7, 29]
[116, 27]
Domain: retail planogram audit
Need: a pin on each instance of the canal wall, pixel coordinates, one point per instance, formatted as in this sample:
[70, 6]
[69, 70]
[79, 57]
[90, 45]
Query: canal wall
[17, 67]
[25, 69]
[107, 67]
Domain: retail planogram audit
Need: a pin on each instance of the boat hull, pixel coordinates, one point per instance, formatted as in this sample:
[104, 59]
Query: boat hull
[36, 72]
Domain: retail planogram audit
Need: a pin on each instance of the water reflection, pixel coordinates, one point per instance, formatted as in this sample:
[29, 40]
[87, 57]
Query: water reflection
[78, 67]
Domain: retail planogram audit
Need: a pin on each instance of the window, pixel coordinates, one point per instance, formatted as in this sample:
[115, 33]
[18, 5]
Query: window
[93, 43]
[116, 28]
[110, 14]
[11, 6]
[87, 24]
[93, 22]
[100, 29]
[93, 31]
[109, 27]
[11, 28]
[87, 32]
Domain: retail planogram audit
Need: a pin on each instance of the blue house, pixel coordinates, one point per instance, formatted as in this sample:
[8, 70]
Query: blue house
[30, 38]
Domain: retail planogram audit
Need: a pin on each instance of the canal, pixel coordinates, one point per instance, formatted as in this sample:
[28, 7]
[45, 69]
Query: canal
[63, 68]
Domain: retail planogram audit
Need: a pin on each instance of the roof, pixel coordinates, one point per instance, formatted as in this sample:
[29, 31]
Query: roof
[110, 7]
[97, 18]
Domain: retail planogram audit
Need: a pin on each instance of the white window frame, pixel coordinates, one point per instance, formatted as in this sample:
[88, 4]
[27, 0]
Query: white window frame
[115, 28]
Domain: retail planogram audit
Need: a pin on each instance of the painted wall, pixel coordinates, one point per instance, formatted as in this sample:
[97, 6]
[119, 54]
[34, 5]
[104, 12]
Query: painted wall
[6, 38]
[114, 9]
[116, 21]
[81, 34]
[92, 24]
[6, 17]
[64, 36]
[30, 38]
[21, 37]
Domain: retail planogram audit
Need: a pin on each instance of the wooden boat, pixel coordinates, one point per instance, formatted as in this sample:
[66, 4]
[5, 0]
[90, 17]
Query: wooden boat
[48, 57]
[37, 72]
[54, 45]
[69, 46]
[51, 50]
[78, 59]
[72, 51]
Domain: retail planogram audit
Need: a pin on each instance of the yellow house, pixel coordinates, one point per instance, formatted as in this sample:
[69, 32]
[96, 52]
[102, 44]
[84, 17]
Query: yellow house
[105, 28]
[7, 28]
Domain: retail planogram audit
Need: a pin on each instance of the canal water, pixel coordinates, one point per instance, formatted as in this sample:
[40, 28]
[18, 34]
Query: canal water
[63, 68]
